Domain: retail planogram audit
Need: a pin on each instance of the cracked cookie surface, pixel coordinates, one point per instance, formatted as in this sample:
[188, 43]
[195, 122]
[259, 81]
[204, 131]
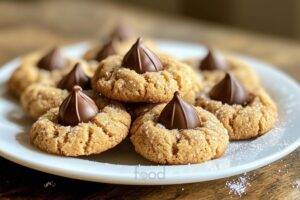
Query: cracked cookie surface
[123, 84]
[158, 144]
[244, 122]
[37, 99]
[107, 129]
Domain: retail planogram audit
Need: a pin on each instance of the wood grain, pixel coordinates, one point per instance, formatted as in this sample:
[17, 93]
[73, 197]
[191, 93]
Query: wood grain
[27, 26]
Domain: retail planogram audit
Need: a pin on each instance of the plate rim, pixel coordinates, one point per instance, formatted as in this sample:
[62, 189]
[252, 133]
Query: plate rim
[180, 179]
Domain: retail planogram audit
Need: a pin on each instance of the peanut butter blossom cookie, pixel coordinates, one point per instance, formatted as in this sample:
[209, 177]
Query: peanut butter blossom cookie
[244, 114]
[81, 126]
[178, 133]
[36, 68]
[214, 66]
[138, 109]
[37, 99]
[142, 76]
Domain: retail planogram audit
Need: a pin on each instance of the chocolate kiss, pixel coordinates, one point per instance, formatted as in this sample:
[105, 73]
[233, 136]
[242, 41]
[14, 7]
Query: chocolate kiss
[107, 50]
[141, 59]
[122, 33]
[213, 61]
[76, 108]
[75, 77]
[178, 114]
[230, 91]
[52, 60]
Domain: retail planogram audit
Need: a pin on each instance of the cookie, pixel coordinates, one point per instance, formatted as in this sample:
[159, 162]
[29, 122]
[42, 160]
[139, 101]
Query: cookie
[244, 114]
[138, 109]
[214, 66]
[38, 98]
[141, 76]
[39, 68]
[79, 127]
[178, 133]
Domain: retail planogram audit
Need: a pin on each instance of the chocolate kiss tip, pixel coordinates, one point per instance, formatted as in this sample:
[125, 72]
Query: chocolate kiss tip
[178, 114]
[108, 49]
[77, 108]
[213, 61]
[75, 77]
[176, 95]
[77, 88]
[229, 90]
[52, 60]
[76, 66]
[141, 59]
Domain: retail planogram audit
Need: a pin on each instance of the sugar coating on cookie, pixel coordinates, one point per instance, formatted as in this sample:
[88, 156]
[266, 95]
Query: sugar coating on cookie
[123, 84]
[37, 99]
[107, 129]
[138, 109]
[27, 75]
[243, 122]
[161, 145]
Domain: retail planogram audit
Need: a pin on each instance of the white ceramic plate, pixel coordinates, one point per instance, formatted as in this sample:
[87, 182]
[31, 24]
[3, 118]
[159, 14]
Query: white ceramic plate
[122, 165]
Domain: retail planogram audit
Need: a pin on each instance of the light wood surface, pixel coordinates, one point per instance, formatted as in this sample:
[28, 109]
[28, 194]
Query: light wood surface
[29, 25]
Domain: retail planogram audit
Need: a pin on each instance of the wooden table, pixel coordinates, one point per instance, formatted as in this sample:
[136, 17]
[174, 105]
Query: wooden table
[29, 26]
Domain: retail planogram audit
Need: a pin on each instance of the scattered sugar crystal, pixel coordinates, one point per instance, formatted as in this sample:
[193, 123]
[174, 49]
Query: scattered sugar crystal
[160, 126]
[297, 184]
[239, 185]
[49, 184]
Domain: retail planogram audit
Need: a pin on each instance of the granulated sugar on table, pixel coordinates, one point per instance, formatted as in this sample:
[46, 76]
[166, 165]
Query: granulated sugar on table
[49, 184]
[297, 184]
[239, 185]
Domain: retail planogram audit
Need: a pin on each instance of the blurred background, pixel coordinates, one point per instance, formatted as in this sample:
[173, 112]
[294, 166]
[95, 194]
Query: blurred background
[27, 25]
[275, 17]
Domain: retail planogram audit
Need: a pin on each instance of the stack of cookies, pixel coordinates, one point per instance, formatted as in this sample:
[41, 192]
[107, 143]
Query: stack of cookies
[175, 112]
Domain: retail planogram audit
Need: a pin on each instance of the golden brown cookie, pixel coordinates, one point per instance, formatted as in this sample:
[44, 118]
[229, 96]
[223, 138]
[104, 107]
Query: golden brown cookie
[138, 109]
[29, 73]
[103, 130]
[178, 145]
[243, 121]
[124, 84]
[236, 66]
[38, 98]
